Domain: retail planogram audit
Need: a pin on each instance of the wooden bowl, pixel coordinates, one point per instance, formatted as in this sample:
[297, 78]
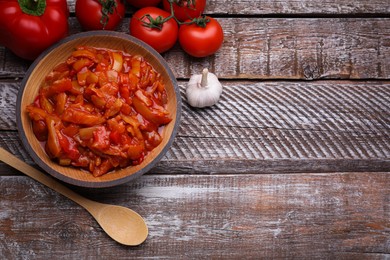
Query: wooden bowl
[59, 53]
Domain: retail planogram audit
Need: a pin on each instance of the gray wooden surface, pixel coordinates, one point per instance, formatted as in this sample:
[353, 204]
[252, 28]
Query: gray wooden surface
[293, 162]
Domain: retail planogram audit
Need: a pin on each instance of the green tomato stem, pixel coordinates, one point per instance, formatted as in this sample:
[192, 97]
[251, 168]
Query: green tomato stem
[108, 8]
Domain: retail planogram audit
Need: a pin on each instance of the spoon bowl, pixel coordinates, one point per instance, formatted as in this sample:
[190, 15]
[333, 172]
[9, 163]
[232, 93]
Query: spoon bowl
[122, 224]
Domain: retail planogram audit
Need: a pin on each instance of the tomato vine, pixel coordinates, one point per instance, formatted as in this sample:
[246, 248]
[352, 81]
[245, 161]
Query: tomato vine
[158, 22]
[108, 8]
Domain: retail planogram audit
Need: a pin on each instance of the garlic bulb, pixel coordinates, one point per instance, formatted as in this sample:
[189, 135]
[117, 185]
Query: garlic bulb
[203, 90]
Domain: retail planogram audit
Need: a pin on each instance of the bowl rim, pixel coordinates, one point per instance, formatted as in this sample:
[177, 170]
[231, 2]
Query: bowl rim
[98, 184]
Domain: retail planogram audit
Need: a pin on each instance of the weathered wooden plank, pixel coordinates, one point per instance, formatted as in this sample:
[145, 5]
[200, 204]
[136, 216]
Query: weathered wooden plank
[288, 7]
[8, 96]
[297, 7]
[267, 48]
[273, 127]
[303, 216]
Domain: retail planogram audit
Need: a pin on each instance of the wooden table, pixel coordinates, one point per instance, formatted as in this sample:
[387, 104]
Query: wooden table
[293, 162]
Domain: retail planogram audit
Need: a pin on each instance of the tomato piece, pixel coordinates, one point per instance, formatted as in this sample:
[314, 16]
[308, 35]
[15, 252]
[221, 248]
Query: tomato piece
[186, 9]
[99, 15]
[161, 37]
[115, 137]
[40, 130]
[152, 139]
[124, 91]
[101, 140]
[68, 146]
[133, 81]
[200, 41]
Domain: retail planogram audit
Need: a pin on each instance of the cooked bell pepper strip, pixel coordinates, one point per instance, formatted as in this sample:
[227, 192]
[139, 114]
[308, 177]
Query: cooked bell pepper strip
[99, 102]
[60, 103]
[114, 108]
[103, 168]
[136, 67]
[82, 63]
[45, 104]
[133, 129]
[71, 130]
[58, 86]
[87, 132]
[153, 115]
[36, 113]
[77, 116]
[139, 94]
[136, 150]
[53, 143]
[85, 53]
[117, 61]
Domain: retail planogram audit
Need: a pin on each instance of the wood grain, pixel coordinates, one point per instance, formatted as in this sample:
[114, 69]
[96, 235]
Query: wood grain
[279, 48]
[306, 98]
[297, 7]
[288, 7]
[275, 127]
[305, 216]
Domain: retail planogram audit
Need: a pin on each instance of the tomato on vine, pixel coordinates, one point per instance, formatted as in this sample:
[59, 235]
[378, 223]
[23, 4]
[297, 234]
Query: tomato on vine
[155, 27]
[143, 3]
[201, 37]
[185, 9]
[99, 14]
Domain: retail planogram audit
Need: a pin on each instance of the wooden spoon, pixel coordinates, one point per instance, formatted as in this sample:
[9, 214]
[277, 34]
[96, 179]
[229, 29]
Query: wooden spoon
[122, 224]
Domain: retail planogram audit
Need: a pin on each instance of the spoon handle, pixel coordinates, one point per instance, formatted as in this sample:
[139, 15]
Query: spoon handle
[18, 164]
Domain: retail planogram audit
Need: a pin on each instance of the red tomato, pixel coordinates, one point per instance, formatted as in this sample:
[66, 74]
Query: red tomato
[161, 37]
[143, 3]
[99, 14]
[201, 41]
[185, 10]
[27, 28]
